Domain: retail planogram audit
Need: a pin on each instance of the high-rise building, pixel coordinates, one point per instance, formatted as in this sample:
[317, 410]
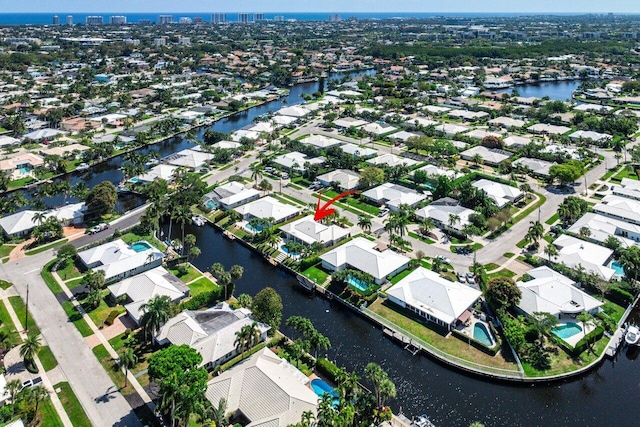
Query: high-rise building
[258, 17]
[185, 41]
[69, 19]
[184, 20]
[278, 18]
[165, 19]
[56, 20]
[335, 18]
[94, 20]
[117, 20]
[218, 18]
[244, 17]
[198, 20]
[144, 21]
[160, 41]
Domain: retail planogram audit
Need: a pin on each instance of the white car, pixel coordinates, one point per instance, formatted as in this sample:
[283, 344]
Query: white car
[444, 259]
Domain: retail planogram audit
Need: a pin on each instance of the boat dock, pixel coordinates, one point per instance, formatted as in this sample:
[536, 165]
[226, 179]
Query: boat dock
[408, 344]
[614, 343]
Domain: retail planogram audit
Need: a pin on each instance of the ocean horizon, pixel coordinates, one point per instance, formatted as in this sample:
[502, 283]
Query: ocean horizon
[132, 18]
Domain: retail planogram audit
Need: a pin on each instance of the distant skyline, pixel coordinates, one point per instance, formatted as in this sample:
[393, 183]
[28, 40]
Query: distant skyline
[336, 6]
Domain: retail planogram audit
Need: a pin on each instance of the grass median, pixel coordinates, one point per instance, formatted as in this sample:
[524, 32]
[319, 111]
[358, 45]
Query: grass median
[72, 405]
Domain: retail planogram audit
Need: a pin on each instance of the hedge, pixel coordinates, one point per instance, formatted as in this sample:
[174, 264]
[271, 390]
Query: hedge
[308, 262]
[204, 299]
[491, 351]
[581, 345]
[328, 368]
[620, 296]
[111, 317]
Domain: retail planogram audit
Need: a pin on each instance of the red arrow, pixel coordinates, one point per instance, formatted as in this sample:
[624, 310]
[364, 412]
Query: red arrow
[325, 210]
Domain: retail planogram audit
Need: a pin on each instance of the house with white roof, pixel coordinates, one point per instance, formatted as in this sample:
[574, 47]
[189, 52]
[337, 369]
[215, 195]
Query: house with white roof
[516, 141]
[621, 208]
[393, 195]
[42, 134]
[320, 141]
[601, 227]
[436, 109]
[392, 160]
[379, 128]
[482, 133]
[574, 253]
[500, 193]
[239, 134]
[629, 188]
[420, 121]
[359, 151]
[490, 156]
[360, 254]
[139, 289]
[267, 390]
[506, 122]
[551, 292]
[451, 129]
[434, 171]
[267, 207]
[22, 223]
[347, 122]
[468, 116]
[229, 196]
[211, 332]
[296, 160]
[580, 135]
[536, 166]
[347, 179]
[294, 111]
[8, 140]
[442, 211]
[403, 135]
[308, 231]
[433, 297]
[548, 129]
[281, 121]
[227, 145]
[159, 171]
[119, 260]
[4, 394]
[189, 158]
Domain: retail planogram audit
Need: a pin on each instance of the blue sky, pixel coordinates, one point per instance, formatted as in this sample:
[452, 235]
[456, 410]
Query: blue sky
[203, 6]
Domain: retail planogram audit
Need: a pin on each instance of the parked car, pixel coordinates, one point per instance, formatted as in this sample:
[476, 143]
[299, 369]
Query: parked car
[31, 382]
[268, 169]
[383, 212]
[444, 259]
[461, 277]
[471, 278]
[98, 228]
[285, 176]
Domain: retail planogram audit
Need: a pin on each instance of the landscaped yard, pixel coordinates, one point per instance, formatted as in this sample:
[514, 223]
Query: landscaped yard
[555, 217]
[562, 362]
[47, 413]
[70, 271]
[625, 173]
[192, 274]
[72, 405]
[421, 238]
[112, 369]
[501, 273]
[47, 358]
[100, 314]
[203, 284]
[451, 345]
[404, 273]
[7, 324]
[5, 250]
[316, 274]
[351, 201]
[132, 238]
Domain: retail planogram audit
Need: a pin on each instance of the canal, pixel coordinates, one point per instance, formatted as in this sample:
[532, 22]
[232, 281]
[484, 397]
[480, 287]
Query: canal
[556, 91]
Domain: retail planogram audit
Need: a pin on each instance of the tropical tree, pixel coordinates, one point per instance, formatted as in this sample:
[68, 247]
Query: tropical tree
[502, 292]
[587, 319]
[245, 300]
[256, 172]
[156, 311]
[128, 360]
[364, 222]
[551, 251]
[535, 233]
[242, 340]
[30, 348]
[267, 308]
[218, 413]
[382, 385]
[477, 159]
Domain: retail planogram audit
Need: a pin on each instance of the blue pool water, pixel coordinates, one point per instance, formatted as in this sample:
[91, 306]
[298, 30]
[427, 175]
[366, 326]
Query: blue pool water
[211, 204]
[566, 330]
[481, 334]
[358, 284]
[320, 388]
[286, 251]
[140, 246]
[24, 171]
[134, 180]
[619, 268]
[253, 229]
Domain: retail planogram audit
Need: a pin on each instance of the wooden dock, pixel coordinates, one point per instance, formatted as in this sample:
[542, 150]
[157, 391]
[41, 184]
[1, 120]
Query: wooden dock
[615, 342]
[406, 342]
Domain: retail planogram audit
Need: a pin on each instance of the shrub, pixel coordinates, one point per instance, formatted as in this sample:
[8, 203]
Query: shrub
[203, 299]
[111, 317]
[309, 262]
[619, 295]
[328, 368]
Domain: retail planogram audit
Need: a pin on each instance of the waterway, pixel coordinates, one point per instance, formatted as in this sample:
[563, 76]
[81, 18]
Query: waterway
[606, 396]
[557, 90]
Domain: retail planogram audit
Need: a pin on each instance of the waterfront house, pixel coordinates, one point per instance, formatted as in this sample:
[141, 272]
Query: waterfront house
[346, 179]
[296, 111]
[441, 211]
[22, 223]
[574, 253]
[189, 158]
[307, 231]
[265, 390]
[551, 292]
[434, 298]
[500, 193]
[227, 145]
[601, 227]
[229, 196]
[211, 332]
[267, 207]
[119, 260]
[159, 171]
[361, 254]
[21, 165]
[139, 289]
[393, 195]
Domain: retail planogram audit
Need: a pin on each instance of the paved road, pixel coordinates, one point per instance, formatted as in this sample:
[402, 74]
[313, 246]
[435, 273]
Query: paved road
[99, 397]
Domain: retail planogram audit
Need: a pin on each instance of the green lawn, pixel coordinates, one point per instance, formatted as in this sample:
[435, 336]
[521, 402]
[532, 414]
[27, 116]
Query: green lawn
[5, 250]
[100, 313]
[491, 266]
[72, 405]
[117, 342]
[21, 310]
[553, 219]
[351, 201]
[70, 271]
[189, 276]
[76, 319]
[507, 254]
[501, 273]
[46, 247]
[625, 173]
[111, 367]
[7, 324]
[204, 284]
[5, 285]
[49, 280]
[404, 273]
[421, 238]
[48, 415]
[47, 358]
[316, 274]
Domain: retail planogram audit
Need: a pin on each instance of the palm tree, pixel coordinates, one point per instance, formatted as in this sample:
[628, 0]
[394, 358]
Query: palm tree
[256, 172]
[218, 413]
[587, 319]
[477, 159]
[39, 217]
[38, 394]
[551, 251]
[182, 215]
[254, 334]
[156, 312]
[453, 220]
[30, 348]
[364, 222]
[242, 337]
[535, 233]
[128, 360]
[13, 387]
[526, 189]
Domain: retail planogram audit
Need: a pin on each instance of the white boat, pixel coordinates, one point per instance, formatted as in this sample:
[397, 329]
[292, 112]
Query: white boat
[632, 336]
[422, 421]
[198, 220]
[82, 167]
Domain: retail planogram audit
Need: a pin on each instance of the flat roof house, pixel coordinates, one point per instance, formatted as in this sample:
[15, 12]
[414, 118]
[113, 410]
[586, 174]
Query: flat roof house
[139, 289]
[393, 195]
[347, 179]
[551, 292]
[307, 231]
[267, 207]
[433, 297]
[267, 390]
[500, 193]
[119, 260]
[360, 254]
[211, 332]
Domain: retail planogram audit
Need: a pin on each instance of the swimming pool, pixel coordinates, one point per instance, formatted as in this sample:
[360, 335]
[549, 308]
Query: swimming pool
[140, 246]
[566, 330]
[134, 180]
[320, 388]
[211, 204]
[284, 249]
[253, 229]
[619, 268]
[482, 334]
[358, 284]
[24, 171]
